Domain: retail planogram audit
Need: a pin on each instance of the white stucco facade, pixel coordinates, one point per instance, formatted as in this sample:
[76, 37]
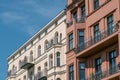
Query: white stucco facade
[43, 55]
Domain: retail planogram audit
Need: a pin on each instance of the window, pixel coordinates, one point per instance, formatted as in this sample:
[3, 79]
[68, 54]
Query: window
[31, 56]
[25, 59]
[60, 37]
[51, 61]
[75, 15]
[71, 41]
[39, 50]
[81, 39]
[96, 33]
[58, 58]
[24, 78]
[83, 13]
[112, 60]
[45, 65]
[51, 42]
[46, 45]
[39, 72]
[82, 71]
[20, 64]
[110, 24]
[56, 37]
[98, 63]
[96, 4]
[13, 69]
[71, 72]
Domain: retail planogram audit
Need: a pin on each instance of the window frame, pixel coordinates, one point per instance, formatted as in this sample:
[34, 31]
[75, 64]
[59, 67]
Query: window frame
[83, 12]
[96, 32]
[39, 50]
[58, 59]
[50, 60]
[98, 64]
[81, 39]
[110, 22]
[81, 69]
[96, 4]
[71, 41]
[71, 72]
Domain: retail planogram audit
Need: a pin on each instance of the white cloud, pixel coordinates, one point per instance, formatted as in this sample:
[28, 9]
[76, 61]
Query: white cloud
[11, 17]
[25, 11]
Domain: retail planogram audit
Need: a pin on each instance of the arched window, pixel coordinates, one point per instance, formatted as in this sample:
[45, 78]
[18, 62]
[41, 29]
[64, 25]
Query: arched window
[25, 59]
[13, 69]
[56, 37]
[46, 45]
[51, 61]
[60, 37]
[45, 65]
[31, 56]
[39, 50]
[58, 79]
[58, 58]
[51, 42]
[39, 71]
[20, 64]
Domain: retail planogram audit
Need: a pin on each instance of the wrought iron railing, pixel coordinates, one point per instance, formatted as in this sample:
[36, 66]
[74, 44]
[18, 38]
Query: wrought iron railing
[11, 74]
[55, 42]
[102, 34]
[100, 75]
[42, 73]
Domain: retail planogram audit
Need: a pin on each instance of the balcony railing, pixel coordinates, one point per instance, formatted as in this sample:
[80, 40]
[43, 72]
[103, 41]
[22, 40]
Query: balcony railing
[80, 20]
[100, 75]
[11, 74]
[26, 65]
[69, 23]
[102, 34]
[42, 74]
[55, 43]
[77, 20]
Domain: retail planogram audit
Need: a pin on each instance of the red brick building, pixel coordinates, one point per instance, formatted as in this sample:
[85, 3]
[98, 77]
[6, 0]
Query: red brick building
[93, 38]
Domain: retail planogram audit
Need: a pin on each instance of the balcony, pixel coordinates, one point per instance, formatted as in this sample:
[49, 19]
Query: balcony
[11, 74]
[26, 65]
[96, 43]
[80, 20]
[75, 20]
[69, 23]
[105, 74]
[54, 44]
[42, 75]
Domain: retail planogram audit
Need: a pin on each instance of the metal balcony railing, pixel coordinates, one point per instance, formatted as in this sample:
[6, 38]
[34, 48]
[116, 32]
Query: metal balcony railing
[100, 75]
[102, 34]
[55, 42]
[77, 20]
[69, 23]
[80, 20]
[42, 74]
[11, 74]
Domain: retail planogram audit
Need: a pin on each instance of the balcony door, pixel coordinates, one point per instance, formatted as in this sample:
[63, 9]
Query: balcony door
[112, 62]
[81, 40]
[31, 74]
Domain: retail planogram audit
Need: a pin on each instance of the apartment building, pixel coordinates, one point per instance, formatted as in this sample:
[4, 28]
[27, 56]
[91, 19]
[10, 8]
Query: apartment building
[93, 40]
[43, 56]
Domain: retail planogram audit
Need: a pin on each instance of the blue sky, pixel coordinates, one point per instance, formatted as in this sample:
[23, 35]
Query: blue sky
[20, 20]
